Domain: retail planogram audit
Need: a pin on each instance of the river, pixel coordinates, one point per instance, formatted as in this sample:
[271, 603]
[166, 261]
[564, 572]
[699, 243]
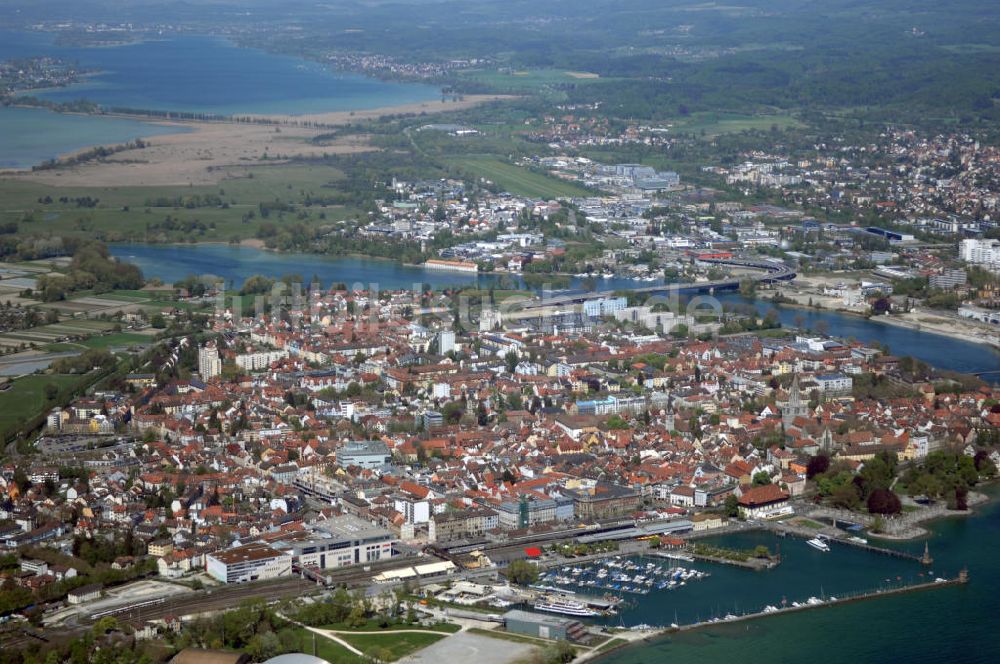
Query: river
[935, 349]
[234, 264]
[955, 624]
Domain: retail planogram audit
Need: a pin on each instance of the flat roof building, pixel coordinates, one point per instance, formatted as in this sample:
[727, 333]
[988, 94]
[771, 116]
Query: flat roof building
[253, 562]
[369, 454]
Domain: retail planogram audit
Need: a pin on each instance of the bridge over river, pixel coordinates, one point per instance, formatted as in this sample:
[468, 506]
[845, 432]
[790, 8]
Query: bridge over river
[768, 272]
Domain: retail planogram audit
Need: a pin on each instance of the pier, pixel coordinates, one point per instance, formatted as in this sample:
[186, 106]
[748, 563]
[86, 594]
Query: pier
[786, 530]
[961, 579]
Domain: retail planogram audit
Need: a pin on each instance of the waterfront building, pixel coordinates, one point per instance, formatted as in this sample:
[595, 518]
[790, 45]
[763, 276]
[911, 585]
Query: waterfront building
[764, 502]
[541, 626]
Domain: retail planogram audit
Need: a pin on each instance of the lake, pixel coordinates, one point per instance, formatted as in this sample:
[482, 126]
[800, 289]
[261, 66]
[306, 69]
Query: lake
[209, 75]
[178, 73]
[955, 624]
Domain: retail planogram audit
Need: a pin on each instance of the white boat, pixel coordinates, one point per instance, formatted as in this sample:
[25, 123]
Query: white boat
[566, 608]
[818, 544]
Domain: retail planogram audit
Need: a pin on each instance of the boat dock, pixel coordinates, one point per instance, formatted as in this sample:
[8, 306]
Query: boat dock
[755, 564]
[786, 530]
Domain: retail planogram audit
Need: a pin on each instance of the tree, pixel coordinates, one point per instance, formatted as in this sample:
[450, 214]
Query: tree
[884, 501]
[522, 572]
[51, 391]
[761, 478]
[845, 496]
[732, 506]
[511, 359]
[105, 625]
[817, 465]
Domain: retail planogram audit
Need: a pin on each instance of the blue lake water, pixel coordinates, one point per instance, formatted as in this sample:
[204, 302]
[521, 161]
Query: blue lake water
[210, 75]
[184, 73]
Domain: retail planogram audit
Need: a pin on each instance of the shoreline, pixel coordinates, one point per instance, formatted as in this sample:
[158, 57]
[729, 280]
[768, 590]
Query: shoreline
[206, 151]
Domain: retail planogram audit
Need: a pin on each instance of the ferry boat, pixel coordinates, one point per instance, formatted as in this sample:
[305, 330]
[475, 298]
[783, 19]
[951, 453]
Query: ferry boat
[565, 608]
[819, 544]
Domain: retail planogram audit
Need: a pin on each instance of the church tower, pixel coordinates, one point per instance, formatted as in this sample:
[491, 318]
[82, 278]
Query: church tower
[795, 406]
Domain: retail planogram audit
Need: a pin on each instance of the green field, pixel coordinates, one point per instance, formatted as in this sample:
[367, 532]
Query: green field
[122, 213]
[389, 646]
[117, 339]
[26, 398]
[713, 124]
[518, 180]
[533, 80]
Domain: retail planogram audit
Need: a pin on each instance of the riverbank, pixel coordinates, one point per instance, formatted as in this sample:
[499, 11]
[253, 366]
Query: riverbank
[798, 296]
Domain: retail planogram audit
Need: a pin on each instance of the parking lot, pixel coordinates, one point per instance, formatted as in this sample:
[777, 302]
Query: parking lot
[467, 647]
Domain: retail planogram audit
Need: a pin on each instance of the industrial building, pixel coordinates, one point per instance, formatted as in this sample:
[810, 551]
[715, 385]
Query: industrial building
[543, 626]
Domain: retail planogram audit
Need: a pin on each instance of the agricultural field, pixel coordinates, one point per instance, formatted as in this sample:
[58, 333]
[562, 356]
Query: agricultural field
[530, 80]
[714, 124]
[27, 396]
[216, 213]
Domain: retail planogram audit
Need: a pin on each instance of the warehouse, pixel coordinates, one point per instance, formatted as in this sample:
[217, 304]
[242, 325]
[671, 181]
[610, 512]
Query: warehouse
[542, 626]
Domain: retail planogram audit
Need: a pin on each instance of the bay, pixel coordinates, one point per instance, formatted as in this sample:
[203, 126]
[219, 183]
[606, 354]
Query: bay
[30, 136]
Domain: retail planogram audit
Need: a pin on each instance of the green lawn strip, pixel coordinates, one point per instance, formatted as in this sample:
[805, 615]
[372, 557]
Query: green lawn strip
[325, 648]
[519, 180]
[392, 644]
[611, 644]
[372, 625]
[116, 339]
[61, 347]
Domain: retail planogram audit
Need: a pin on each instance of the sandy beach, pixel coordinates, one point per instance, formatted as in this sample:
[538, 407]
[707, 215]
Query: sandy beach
[209, 152]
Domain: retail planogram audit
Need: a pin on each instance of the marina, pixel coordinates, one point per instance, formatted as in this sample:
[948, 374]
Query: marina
[620, 575]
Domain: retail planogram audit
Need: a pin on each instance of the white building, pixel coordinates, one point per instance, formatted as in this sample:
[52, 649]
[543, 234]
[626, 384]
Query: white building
[259, 360]
[253, 562]
[446, 342]
[980, 252]
[209, 363]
